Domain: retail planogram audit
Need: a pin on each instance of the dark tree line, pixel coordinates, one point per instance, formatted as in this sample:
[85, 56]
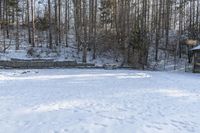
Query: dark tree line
[132, 27]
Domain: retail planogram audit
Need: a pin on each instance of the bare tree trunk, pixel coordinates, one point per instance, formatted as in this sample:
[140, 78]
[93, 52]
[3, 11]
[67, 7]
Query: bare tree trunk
[17, 32]
[85, 32]
[95, 29]
[28, 21]
[56, 22]
[59, 21]
[66, 21]
[78, 22]
[33, 22]
[50, 25]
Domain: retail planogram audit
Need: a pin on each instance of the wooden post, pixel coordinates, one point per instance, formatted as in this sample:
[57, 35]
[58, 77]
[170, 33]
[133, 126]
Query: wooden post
[194, 62]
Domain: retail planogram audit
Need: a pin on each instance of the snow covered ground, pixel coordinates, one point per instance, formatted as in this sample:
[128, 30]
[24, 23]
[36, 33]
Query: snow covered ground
[98, 101]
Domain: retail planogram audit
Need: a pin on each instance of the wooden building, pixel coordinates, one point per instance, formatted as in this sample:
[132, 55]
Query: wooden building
[196, 59]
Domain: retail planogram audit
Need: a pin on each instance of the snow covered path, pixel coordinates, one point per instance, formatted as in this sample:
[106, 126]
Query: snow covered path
[98, 101]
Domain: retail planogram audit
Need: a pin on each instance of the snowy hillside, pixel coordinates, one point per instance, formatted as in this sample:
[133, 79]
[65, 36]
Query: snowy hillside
[98, 101]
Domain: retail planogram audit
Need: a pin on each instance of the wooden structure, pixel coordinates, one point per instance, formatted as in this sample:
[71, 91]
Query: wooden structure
[196, 59]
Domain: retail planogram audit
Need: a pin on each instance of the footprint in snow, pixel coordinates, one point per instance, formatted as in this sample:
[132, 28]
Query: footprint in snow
[183, 125]
[64, 131]
[99, 124]
[23, 123]
[154, 127]
[122, 110]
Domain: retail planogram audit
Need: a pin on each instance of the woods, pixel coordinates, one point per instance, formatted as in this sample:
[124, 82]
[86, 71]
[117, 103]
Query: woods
[138, 31]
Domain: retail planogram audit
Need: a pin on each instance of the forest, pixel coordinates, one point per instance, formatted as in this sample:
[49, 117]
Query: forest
[135, 33]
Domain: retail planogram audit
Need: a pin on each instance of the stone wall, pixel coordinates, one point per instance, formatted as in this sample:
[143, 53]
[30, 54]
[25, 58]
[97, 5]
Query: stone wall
[41, 64]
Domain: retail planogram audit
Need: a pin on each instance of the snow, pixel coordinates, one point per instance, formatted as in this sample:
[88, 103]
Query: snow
[196, 48]
[98, 101]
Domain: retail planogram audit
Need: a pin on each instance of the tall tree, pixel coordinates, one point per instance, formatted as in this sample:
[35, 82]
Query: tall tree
[50, 24]
[33, 22]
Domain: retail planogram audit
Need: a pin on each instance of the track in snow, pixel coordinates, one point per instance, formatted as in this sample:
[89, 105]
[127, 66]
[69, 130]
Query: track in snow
[100, 101]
